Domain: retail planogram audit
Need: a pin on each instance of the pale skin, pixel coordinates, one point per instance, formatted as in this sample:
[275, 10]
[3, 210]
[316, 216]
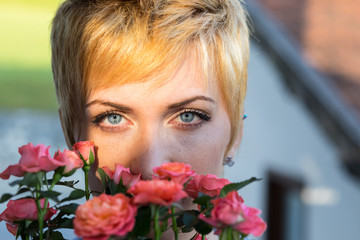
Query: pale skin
[143, 125]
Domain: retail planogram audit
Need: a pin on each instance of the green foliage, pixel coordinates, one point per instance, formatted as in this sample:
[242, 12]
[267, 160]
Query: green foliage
[75, 194]
[187, 220]
[54, 235]
[53, 195]
[103, 177]
[204, 201]
[142, 222]
[27, 88]
[70, 184]
[202, 227]
[31, 180]
[5, 197]
[69, 208]
[236, 186]
[25, 73]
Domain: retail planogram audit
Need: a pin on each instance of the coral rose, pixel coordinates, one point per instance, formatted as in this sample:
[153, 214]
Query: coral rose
[70, 159]
[122, 173]
[83, 148]
[210, 185]
[33, 159]
[161, 192]
[178, 172]
[22, 209]
[231, 211]
[104, 216]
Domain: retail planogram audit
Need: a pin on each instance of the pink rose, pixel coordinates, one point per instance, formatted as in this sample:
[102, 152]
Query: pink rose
[12, 228]
[33, 159]
[70, 159]
[210, 185]
[177, 172]
[83, 148]
[162, 192]
[122, 173]
[104, 216]
[21, 209]
[231, 211]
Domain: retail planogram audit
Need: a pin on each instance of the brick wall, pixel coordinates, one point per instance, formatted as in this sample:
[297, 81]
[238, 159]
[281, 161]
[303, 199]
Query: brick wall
[328, 32]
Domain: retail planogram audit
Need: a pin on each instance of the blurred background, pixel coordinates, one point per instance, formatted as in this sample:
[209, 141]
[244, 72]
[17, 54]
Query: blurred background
[302, 134]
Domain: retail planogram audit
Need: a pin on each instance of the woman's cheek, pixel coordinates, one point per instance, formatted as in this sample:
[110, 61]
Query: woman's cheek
[204, 152]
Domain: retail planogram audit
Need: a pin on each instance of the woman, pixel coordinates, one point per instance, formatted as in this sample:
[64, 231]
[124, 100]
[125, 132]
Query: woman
[152, 81]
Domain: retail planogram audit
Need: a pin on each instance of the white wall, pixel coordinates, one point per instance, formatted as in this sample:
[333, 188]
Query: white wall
[281, 135]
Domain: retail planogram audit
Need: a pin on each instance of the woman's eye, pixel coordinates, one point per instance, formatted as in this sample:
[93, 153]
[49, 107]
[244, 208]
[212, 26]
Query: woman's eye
[114, 119]
[190, 119]
[187, 117]
[111, 121]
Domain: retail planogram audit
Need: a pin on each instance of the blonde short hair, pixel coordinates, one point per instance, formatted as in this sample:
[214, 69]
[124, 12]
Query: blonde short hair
[131, 40]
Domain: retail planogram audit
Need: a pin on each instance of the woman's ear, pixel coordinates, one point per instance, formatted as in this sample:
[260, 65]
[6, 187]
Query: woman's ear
[236, 144]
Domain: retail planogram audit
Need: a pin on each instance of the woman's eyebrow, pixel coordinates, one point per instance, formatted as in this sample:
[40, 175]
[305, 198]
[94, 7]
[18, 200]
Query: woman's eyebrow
[111, 104]
[190, 100]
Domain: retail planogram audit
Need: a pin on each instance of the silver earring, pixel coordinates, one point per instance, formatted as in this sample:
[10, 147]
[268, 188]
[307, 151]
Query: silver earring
[228, 161]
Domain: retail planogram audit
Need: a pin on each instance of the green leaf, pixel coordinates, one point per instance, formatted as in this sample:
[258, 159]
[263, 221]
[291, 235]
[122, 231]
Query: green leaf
[103, 177]
[163, 211]
[5, 197]
[188, 219]
[202, 227]
[23, 190]
[31, 180]
[55, 235]
[14, 183]
[143, 222]
[32, 227]
[236, 186]
[66, 223]
[91, 157]
[112, 187]
[70, 184]
[56, 178]
[120, 188]
[40, 176]
[75, 194]
[204, 200]
[69, 208]
[53, 195]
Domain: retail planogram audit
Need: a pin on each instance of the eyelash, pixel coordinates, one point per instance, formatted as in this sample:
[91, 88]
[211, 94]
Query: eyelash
[186, 126]
[97, 119]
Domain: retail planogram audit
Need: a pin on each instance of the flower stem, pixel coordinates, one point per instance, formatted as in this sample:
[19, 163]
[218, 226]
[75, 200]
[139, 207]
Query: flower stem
[174, 224]
[229, 233]
[86, 174]
[156, 224]
[40, 211]
[202, 237]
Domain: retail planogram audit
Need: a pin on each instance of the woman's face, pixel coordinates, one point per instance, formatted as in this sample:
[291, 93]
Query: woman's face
[142, 125]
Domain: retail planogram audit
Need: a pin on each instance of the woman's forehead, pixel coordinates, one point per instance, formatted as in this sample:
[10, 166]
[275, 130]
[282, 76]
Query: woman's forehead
[187, 74]
[186, 81]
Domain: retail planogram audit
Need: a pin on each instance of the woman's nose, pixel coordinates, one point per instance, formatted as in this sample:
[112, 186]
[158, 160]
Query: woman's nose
[151, 149]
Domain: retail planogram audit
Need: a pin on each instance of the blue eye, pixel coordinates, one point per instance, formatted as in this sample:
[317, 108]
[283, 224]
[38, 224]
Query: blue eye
[114, 119]
[187, 117]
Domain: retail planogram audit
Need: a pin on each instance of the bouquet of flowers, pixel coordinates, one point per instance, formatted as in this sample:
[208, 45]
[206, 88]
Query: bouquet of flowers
[129, 207]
